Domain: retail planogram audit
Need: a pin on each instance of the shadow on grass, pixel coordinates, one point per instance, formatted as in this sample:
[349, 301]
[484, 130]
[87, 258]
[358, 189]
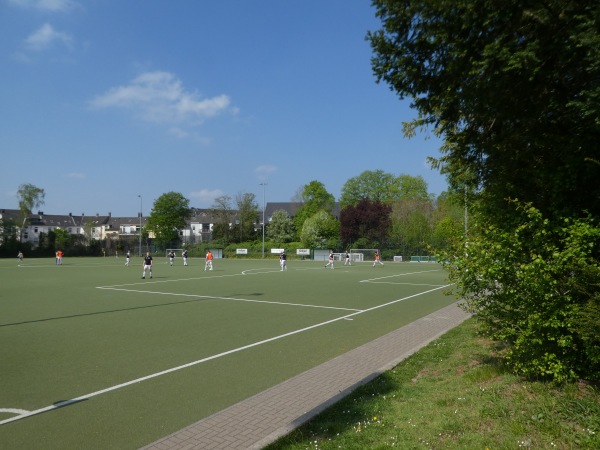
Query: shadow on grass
[74, 316]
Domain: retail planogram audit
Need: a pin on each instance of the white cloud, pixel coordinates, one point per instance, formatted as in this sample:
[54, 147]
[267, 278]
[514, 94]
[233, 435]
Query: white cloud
[46, 36]
[75, 175]
[265, 170]
[206, 197]
[45, 5]
[161, 98]
[178, 132]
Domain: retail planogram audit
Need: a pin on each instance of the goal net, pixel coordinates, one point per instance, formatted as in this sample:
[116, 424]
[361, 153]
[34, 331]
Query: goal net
[363, 254]
[177, 251]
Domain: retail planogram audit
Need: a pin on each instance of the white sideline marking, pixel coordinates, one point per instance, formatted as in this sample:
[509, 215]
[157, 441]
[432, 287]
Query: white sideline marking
[68, 266]
[13, 411]
[200, 361]
[264, 270]
[228, 298]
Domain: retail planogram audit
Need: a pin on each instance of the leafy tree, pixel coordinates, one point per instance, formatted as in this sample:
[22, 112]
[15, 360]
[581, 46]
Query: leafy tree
[314, 199]
[449, 222]
[412, 226]
[373, 185]
[379, 186]
[30, 197]
[47, 243]
[368, 220]
[513, 89]
[281, 227]
[168, 216]
[9, 242]
[223, 214]
[87, 230]
[62, 239]
[248, 214]
[320, 230]
[411, 187]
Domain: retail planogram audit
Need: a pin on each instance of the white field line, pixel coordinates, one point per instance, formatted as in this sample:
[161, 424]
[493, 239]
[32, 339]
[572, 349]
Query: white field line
[13, 411]
[228, 298]
[209, 358]
[146, 282]
[65, 266]
[403, 284]
[372, 280]
[376, 280]
[260, 271]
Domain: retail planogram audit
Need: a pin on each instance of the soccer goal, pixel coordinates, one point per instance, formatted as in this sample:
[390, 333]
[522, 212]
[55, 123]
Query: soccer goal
[363, 254]
[177, 251]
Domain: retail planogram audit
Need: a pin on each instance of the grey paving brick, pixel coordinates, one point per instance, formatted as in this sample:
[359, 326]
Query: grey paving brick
[269, 415]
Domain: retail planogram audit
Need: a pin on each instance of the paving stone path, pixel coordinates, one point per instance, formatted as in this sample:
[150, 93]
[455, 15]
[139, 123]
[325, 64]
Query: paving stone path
[259, 420]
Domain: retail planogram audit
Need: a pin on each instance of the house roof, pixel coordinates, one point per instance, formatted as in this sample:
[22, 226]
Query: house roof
[118, 222]
[10, 214]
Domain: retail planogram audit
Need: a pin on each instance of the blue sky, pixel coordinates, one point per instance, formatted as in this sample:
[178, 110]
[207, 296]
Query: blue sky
[105, 100]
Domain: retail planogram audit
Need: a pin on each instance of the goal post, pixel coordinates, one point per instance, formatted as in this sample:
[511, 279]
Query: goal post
[177, 251]
[363, 254]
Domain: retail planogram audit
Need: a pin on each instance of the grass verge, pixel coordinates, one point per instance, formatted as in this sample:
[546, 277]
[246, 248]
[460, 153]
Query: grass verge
[454, 394]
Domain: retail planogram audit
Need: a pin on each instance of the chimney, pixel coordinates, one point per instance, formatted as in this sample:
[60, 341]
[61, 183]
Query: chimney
[70, 214]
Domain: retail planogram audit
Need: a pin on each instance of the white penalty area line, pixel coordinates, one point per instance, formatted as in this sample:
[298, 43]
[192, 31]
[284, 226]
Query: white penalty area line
[212, 276]
[203, 360]
[376, 280]
[227, 298]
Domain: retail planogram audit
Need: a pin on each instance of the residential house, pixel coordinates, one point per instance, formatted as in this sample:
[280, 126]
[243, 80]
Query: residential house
[198, 229]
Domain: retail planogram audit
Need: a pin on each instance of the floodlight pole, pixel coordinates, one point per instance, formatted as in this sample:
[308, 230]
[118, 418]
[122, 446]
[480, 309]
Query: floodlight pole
[141, 212]
[263, 220]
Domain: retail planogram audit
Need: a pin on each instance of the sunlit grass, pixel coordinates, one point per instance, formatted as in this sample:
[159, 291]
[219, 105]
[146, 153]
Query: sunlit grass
[454, 394]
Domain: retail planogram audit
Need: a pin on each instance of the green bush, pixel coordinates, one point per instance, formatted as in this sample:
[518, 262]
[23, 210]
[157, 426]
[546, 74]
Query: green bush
[534, 285]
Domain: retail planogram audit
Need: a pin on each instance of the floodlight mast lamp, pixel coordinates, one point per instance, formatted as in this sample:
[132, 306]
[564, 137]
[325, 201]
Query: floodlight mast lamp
[141, 212]
[263, 220]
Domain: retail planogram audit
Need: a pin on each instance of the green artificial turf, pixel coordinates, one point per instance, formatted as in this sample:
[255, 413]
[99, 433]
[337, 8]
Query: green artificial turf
[85, 328]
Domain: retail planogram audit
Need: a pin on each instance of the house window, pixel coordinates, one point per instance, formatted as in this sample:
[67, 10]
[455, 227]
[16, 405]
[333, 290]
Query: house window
[35, 230]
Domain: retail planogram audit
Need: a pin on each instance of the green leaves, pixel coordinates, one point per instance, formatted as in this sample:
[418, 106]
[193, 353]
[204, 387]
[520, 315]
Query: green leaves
[535, 287]
[30, 197]
[512, 88]
[168, 216]
[380, 186]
